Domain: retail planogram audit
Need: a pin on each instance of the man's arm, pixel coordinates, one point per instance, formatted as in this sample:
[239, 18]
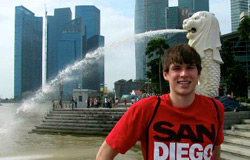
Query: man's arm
[216, 155]
[106, 152]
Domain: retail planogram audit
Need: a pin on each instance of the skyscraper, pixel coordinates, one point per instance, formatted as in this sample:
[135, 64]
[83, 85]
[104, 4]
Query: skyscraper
[194, 5]
[248, 7]
[70, 50]
[149, 15]
[172, 17]
[185, 8]
[237, 6]
[55, 27]
[28, 52]
[93, 75]
[91, 17]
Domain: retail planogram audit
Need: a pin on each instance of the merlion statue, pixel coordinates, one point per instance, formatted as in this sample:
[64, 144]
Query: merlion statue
[204, 35]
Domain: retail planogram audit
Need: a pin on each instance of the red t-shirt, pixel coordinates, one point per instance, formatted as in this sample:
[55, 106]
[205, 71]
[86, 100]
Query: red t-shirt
[175, 132]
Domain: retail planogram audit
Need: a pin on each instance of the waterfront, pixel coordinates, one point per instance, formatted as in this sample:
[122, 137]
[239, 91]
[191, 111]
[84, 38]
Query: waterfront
[17, 143]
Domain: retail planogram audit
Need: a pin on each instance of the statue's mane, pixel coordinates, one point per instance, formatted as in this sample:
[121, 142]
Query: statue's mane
[208, 36]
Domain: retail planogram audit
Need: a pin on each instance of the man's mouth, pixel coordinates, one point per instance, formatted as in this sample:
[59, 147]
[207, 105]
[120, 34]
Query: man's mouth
[183, 82]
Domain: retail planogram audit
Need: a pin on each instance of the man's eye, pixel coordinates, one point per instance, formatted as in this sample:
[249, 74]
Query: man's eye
[175, 68]
[191, 67]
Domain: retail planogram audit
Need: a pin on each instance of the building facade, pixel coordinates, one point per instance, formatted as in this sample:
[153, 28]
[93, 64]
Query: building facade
[93, 76]
[123, 87]
[194, 5]
[248, 7]
[55, 27]
[91, 17]
[149, 15]
[237, 7]
[70, 50]
[172, 17]
[69, 41]
[28, 53]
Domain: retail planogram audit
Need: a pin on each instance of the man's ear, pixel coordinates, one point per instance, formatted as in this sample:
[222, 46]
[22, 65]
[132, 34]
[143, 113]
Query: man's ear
[165, 75]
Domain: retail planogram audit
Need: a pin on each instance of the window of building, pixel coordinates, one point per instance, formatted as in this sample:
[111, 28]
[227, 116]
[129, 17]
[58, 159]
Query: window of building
[80, 98]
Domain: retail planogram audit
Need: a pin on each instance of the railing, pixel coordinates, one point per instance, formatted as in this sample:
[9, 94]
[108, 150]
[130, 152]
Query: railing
[64, 105]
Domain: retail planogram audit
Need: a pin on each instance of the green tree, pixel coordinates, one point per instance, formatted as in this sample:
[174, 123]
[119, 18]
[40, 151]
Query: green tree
[228, 58]
[232, 71]
[236, 80]
[154, 51]
[243, 29]
[244, 35]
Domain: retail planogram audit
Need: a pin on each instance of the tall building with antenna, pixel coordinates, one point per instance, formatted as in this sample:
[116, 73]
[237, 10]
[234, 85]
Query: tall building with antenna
[28, 53]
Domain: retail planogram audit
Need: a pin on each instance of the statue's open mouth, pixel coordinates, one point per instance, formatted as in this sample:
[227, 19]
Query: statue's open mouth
[192, 30]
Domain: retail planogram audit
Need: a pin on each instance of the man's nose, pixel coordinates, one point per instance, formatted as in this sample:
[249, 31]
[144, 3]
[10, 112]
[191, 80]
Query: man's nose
[183, 72]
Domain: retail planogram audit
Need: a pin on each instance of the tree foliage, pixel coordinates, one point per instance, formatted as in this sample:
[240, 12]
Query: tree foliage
[244, 29]
[154, 51]
[228, 58]
[236, 80]
[233, 73]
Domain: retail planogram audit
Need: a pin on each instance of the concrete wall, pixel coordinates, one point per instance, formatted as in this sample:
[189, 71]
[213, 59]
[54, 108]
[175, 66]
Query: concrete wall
[234, 118]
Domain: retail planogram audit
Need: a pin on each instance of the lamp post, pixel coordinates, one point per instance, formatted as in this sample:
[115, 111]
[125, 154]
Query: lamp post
[61, 89]
[61, 93]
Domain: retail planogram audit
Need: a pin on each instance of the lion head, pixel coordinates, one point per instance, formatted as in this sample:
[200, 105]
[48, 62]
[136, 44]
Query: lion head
[204, 33]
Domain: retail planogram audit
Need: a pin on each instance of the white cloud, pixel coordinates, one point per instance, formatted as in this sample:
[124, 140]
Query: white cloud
[119, 60]
[221, 9]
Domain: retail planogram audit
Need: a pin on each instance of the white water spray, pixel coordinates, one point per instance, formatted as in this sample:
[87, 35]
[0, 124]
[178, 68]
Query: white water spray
[29, 105]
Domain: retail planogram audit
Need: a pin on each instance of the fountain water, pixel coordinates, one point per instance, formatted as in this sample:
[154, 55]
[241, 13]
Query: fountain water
[91, 57]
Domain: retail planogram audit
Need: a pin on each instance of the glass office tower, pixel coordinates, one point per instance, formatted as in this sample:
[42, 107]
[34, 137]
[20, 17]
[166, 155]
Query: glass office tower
[91, 18]
[194, 5]
[55, 27]
[149, 15]
[28, 53]
[172, 17]
[93, 75]
[70, 50]
[248, 7]
[237, 6]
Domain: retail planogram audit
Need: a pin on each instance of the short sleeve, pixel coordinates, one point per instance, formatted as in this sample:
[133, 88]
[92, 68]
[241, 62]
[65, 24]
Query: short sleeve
[132, 125]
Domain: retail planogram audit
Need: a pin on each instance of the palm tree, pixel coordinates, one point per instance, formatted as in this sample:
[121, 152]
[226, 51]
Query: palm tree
[156, 47]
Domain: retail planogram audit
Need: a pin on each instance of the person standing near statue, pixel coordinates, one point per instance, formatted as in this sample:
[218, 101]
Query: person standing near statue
[125, 102]
[178, 125]
[72, 102]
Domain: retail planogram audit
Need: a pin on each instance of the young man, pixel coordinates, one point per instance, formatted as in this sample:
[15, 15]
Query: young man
[178, 125]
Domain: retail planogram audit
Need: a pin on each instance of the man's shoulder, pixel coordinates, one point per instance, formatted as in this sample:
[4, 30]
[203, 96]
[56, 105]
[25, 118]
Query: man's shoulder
[146, 103]
[212, 101]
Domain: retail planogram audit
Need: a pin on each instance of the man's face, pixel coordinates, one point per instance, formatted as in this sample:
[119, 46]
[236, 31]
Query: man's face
[182, 78]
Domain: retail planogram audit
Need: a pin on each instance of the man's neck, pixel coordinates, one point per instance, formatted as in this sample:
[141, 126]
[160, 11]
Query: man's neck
[180, 100]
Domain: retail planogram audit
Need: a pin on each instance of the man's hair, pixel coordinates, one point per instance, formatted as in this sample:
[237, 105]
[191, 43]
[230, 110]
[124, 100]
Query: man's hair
[181, 53]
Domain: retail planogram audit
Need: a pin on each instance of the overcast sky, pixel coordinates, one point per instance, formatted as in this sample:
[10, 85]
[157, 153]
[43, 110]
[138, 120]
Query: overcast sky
[117, 23]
